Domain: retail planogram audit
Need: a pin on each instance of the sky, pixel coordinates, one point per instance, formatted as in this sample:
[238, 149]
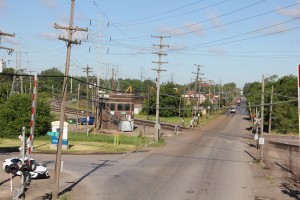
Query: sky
[232, 40]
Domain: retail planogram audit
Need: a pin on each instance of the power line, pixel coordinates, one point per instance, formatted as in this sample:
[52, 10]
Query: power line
[257, 30]
[194, 24]
[160, 19]
[159, 14]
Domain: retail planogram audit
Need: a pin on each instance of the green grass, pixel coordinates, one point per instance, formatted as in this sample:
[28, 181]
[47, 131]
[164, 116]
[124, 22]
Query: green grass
[80, 143]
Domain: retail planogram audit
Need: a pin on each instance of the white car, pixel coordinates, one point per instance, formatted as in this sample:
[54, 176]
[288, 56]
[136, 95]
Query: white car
[232, 110]
[40, 171]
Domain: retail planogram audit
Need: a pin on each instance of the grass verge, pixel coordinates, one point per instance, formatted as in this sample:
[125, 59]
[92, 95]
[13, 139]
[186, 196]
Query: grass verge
[80, 144]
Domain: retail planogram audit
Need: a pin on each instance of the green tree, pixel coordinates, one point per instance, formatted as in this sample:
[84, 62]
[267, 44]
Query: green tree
[51, 78]
[5, 83]
[285, 117]
[285, 114]
[16, 113]
[169, 101]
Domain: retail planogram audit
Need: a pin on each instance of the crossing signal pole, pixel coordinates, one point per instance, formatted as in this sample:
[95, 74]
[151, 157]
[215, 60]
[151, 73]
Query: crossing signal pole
[160, 53]
[69, 41]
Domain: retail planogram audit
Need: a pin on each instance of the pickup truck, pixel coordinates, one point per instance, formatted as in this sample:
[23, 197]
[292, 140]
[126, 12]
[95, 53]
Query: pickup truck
[83, 120]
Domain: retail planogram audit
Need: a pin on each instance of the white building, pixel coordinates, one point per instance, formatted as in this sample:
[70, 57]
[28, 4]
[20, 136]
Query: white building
[2, 65]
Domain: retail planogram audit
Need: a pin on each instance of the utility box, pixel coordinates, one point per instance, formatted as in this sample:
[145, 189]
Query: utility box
[126, 126]
[54, 139]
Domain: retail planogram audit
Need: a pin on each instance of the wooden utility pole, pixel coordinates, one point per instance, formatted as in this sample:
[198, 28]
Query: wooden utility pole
[198, 83]
[2, 34]
[261, 142]
[160, 53]
[271, 110]
[148, 101]
[69, 43]
[77, 110]
[87, 69]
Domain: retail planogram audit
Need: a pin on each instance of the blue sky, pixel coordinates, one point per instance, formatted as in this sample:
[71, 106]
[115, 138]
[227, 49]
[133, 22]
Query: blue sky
[235, 41]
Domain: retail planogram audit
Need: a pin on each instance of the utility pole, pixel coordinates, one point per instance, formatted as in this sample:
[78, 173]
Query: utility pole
[262, 118]
[271, 110]
[142, 73]
[106, 77]
[158, 70]
[198, 83]
[78, 96]
[69, 43]
[148, 101]
[219, 97]
[2, 34]
[87, 69]
[112, 78]
[99, 53]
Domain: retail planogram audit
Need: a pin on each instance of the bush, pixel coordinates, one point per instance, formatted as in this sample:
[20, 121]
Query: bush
[16, 113]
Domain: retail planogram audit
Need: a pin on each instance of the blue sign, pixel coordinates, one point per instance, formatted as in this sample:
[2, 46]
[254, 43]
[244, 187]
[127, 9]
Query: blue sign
[53, 133]
[54, 140]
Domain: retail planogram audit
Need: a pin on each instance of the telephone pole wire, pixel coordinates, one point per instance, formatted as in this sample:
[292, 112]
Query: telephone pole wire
[160, 53]
[69, 43]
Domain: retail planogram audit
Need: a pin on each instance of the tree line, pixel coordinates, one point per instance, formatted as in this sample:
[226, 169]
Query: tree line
[16, 89]
[284, 116]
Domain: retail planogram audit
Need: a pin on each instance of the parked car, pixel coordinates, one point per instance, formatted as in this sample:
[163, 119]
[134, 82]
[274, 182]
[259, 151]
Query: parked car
[83, 120]
[232, 110]
[39, 172]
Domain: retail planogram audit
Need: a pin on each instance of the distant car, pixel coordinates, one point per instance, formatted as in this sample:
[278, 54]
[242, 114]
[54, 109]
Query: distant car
[232, 110]
[40, 171]
[82, 121]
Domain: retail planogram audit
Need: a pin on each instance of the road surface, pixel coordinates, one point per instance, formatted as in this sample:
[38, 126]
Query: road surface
[203, 163]
[206, 163]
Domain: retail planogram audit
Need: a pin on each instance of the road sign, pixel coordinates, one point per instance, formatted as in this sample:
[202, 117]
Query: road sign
[52, 134]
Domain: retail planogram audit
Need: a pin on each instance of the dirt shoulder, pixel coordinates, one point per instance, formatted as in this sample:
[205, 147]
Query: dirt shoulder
[38, 189]
[278, 177]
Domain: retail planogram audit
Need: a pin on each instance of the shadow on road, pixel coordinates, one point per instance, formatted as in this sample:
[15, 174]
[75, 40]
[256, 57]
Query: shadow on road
[76, 182]
[1, 183]
[9, 149]
[68, 189]
[250, 155]
[288, 190]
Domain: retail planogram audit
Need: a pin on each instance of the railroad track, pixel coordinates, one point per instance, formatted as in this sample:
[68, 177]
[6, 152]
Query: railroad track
[152, 123]
[56, 108]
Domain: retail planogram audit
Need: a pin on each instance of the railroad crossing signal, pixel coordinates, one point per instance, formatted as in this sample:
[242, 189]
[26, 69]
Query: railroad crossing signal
[257, 121]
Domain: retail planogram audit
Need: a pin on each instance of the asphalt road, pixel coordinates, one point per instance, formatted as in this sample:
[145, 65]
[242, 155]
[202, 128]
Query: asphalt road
[209, 163]
[204, 163]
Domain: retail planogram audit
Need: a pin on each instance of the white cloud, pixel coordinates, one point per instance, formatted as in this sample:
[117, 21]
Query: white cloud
[195, 28]
[11, 40]
[2, 4]
[217, 51]
[176, 47]
[49, 36]
[292, 12]
[190, 28]
[170, 31]
[50, 4]
[277, 29]
[216, 22]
